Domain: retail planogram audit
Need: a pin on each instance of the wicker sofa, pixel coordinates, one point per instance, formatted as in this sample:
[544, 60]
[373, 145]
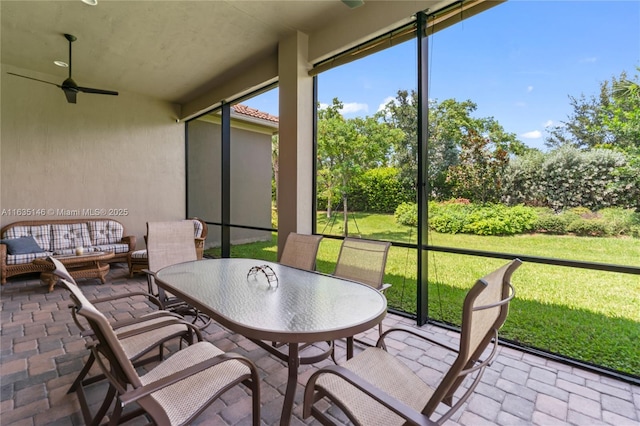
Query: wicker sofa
[59, 237]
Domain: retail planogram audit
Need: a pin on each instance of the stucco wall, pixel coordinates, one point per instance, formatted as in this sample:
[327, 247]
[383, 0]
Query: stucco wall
[105, 152]
[250, 180]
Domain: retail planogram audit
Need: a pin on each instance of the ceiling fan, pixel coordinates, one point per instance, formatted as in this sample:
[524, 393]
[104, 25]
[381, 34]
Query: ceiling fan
[69, 87]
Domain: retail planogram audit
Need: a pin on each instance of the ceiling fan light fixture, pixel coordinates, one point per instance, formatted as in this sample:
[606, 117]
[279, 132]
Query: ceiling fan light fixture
[62, 64]
[90, 2]
[352, 4]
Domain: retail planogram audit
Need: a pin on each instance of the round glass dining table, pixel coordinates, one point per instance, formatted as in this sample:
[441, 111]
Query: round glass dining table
[269, 302]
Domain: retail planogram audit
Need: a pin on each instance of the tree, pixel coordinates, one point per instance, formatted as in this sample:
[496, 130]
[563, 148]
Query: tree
[450, 124]
[402, 114]
[479, 173]
[612, 119]
[621, 116]
[347, 148]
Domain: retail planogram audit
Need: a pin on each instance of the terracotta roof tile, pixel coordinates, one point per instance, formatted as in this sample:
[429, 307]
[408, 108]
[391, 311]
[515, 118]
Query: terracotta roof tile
[252, 112]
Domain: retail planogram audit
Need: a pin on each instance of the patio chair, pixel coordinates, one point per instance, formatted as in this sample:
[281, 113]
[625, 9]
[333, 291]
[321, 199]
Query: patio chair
[169, 243]
[376, 388]
[138, 336]
[300, 251]
[139, 261]
[178, 389]
[363, 261]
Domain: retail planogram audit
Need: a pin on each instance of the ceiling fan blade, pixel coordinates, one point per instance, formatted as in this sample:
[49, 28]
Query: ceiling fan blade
[97, 91]
[36, 79]
[70, 94]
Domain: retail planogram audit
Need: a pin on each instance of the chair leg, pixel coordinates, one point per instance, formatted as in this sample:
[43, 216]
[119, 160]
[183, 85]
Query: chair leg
[382, 345]
[83, 373]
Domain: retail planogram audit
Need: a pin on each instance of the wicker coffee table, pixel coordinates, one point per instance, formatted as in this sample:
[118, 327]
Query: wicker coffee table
[91, 265]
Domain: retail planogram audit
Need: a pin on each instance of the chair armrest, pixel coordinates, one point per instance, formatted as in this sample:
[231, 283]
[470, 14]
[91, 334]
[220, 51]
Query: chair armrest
[156, 314]
[131, 240]
[141, 392]
[384, 287]
[158, 325]
[400, 408]
[380, 342]
[149, 296]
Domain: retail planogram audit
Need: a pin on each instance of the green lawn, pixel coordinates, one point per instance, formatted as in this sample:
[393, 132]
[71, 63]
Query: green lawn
[592, 316]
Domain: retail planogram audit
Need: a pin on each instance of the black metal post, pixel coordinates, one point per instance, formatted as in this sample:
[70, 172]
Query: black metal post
[226, 180]
[422, 308]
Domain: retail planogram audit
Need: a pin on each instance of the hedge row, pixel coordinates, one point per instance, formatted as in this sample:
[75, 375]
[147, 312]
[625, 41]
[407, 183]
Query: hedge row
[461, 216]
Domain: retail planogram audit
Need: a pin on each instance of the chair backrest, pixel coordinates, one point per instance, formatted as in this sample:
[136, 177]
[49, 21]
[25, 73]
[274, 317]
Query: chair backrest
[300, 251]
[363, 261]
[61, 270]
[169, 243]
[484, 311]
[109, 345]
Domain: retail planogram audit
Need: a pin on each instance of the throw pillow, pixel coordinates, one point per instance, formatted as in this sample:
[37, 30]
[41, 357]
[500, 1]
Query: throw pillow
[22, 245]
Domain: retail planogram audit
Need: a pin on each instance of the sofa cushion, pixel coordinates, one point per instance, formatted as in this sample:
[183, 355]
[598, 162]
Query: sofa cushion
[197, 228]
[65, 236]
[22, 245]
[21, 259]
[105, 232]
[139, 254]
[41, 233]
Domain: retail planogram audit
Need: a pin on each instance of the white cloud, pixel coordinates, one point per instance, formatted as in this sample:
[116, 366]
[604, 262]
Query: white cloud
[386, 101]
[529, 89]
[353, 107]
[323, 106]
[535, 134]
[548, 123]
[590, 59]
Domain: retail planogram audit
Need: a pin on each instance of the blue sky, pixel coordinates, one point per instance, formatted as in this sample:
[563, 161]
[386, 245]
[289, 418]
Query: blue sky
[518, 62]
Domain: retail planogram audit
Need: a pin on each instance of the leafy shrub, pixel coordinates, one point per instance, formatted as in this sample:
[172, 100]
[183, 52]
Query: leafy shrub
[550, 222]
[457, 217]
[523, 183]
[620, 221]
[574, 178]
[449, 218]
[568, 177]
[407, 214]
[590, 227]
[582, 212]
[379, 190]
[500, 220]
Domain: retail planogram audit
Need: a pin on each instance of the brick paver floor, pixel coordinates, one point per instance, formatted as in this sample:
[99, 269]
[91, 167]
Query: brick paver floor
[41, 353]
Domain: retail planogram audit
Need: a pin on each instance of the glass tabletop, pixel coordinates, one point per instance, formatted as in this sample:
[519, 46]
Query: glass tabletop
[301, 306]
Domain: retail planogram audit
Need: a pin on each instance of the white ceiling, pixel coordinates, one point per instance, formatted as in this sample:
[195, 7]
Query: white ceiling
[176, 50]
[166, 49]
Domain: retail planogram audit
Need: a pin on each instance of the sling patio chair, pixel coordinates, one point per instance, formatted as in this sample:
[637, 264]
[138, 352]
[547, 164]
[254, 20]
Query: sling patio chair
[175, 391]
[300, 251]
[376, 388]
[363, 261]
[138, 336]
[169, 243]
